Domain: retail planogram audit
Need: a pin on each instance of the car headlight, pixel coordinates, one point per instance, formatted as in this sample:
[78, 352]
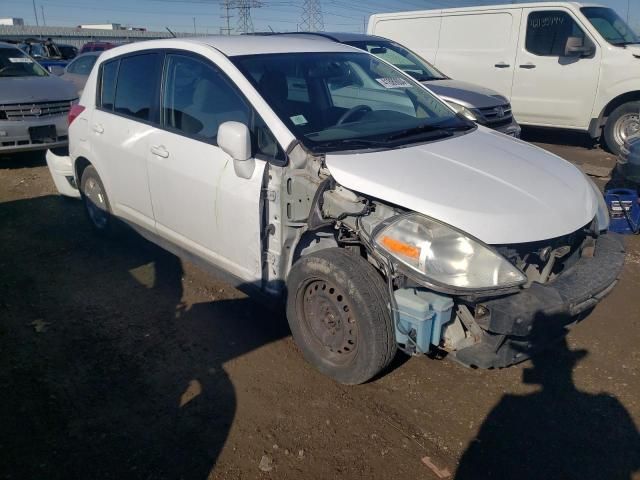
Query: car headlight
[464, 111]
[602, 215]
[445, 256]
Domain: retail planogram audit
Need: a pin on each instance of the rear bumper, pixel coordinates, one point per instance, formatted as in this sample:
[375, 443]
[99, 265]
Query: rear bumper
[61, 169]
[516, 326]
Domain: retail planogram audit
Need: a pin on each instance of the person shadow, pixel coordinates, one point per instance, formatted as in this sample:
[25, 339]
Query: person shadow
[558, 432]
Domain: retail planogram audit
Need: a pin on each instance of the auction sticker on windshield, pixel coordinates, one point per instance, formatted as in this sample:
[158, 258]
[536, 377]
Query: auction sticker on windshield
[299, 120]
[393, 82]
[20, 60]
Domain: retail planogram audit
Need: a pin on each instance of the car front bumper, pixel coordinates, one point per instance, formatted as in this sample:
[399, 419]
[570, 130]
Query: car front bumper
[516, 326]
[15, 136]
[512, 129]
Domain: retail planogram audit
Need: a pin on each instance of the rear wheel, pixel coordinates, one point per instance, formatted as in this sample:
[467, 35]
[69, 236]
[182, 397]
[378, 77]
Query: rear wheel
[339, 316]
[96, 202]
[623, 123]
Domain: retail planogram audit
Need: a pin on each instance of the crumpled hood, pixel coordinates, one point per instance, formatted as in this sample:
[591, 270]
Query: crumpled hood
[497, 189]
[468, 94]
[35, 89]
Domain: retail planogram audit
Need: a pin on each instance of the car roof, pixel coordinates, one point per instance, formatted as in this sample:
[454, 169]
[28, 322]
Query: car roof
[342, 37]
[10, 45]
[236, 45]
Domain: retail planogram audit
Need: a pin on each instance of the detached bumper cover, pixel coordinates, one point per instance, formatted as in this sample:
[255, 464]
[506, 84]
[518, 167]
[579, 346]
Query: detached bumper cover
[518, 325]
[61, 170]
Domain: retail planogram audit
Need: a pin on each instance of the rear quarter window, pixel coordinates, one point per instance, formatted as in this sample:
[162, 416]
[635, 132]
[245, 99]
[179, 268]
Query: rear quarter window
[107, 87]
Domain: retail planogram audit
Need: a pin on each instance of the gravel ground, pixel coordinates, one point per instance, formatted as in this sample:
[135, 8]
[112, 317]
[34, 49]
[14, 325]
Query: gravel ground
[118, 360]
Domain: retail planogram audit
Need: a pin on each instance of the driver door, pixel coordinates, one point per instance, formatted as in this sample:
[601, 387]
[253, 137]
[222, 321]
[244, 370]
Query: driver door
[550, 88]
[199, 203]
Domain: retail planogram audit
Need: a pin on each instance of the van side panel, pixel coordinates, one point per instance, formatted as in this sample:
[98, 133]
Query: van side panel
[480, 48]
[420, 33]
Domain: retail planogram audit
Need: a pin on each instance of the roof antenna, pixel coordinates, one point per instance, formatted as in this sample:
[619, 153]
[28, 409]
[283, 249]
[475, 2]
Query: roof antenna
[272, 30]
[172, 34]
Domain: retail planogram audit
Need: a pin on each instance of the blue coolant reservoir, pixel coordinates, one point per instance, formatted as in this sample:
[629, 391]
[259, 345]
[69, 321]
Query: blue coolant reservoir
[421, 314]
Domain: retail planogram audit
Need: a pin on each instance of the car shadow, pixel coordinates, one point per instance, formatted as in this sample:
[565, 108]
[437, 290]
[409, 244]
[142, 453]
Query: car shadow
[558, 432]
[22, 160]
[555, 136]
[107, 369]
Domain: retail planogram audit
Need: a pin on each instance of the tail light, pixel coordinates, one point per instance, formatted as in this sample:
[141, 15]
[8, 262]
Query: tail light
[74, 112]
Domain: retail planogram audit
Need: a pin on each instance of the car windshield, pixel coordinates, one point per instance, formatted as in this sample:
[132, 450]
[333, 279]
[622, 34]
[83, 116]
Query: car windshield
[609, 24]
[400, 57]
[15, 63]
[344, 101]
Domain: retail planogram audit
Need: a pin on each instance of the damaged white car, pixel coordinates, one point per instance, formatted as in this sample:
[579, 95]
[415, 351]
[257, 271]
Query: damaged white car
[318, 174]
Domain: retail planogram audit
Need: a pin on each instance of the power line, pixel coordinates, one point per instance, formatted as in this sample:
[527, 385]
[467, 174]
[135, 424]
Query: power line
[245, 24]
[312, 20]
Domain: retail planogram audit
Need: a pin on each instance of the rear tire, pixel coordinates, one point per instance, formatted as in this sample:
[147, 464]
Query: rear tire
[338, 312]
[96, 202]
[623, 123]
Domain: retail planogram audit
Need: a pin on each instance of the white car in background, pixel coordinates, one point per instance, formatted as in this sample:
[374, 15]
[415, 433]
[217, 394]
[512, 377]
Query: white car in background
[383, 219]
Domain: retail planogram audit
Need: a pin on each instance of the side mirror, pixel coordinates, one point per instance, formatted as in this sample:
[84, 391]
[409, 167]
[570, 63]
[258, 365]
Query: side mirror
[234, 139]
[56, 70]
[578, 47]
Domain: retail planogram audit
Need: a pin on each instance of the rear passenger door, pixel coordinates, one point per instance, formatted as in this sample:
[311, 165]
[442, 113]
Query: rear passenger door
[199, 202]
[480, 48]
[125, 116]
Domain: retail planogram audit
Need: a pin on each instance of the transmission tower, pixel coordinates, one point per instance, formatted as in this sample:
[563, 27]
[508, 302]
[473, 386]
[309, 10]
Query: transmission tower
[245, 24]
[311, 20]
[226, 6]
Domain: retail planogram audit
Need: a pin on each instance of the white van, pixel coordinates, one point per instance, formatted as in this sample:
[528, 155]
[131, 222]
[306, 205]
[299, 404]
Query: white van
[381, 216]
[561, 64]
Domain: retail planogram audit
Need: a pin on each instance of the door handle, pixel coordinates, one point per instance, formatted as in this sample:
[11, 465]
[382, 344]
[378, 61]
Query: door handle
[160, 151]
[502, 65]
[528, 66]
[96, 127]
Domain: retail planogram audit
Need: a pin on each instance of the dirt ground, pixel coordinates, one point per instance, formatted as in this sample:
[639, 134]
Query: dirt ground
[118, 360]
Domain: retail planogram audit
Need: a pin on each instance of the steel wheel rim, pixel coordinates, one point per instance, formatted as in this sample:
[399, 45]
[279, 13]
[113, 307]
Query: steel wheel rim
[329, 319]
[96, 203]
[627, 126]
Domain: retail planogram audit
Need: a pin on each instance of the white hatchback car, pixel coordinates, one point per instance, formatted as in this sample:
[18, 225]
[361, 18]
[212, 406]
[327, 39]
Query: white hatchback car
[319, 174]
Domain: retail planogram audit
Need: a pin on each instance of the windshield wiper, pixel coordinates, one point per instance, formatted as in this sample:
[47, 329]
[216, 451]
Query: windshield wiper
[432, 130]
[353, 142]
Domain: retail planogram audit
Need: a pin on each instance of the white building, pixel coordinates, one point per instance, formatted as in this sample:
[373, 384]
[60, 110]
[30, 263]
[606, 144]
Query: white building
[16, 22]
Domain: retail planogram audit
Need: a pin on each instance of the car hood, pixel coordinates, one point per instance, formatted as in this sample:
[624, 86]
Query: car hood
[35, 89]
[497, 189]
[634, 49]
[467, 94]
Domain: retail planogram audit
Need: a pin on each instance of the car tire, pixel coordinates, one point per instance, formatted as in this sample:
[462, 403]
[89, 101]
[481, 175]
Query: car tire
[96, 203]
[622, 123]
[338, 312]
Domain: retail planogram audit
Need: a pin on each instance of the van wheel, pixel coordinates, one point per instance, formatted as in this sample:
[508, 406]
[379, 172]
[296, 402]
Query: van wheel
[96, 202]
[338, 312]
[624, 122]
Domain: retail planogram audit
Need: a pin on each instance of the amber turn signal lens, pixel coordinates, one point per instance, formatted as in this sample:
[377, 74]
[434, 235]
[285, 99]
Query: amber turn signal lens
[400, 248]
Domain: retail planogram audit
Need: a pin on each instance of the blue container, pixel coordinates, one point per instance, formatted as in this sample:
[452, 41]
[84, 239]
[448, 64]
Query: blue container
[421, 314]
[620, 198]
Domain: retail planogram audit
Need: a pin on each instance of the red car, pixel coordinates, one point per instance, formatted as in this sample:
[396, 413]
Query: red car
[97, 46]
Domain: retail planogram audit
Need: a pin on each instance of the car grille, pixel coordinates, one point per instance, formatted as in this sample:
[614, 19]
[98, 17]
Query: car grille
[496, 116]
[30, 111]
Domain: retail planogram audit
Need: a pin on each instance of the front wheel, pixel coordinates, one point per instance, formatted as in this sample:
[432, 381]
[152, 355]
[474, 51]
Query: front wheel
[623, 123]
[338, 312]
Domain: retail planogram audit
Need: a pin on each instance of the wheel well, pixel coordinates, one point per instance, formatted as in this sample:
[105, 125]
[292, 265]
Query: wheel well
[313, 242]
[81, 164]
[616, 102]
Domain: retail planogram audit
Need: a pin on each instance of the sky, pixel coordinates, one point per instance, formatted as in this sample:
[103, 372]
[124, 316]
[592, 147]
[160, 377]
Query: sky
[279, 15]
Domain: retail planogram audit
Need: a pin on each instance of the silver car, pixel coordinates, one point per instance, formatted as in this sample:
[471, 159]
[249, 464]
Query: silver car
[33, 104]
[79, 69]
[479, 104]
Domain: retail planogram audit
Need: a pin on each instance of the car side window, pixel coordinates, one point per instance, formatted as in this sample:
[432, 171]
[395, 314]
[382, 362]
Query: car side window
[83, 65]
[548, 31]
[108, 75]
[197, 98]
[136, 85]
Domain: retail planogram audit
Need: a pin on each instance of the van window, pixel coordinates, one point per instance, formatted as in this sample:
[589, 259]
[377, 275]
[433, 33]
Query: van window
[135, 89]
[108, 84]
[198, 98]
[548, 31]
